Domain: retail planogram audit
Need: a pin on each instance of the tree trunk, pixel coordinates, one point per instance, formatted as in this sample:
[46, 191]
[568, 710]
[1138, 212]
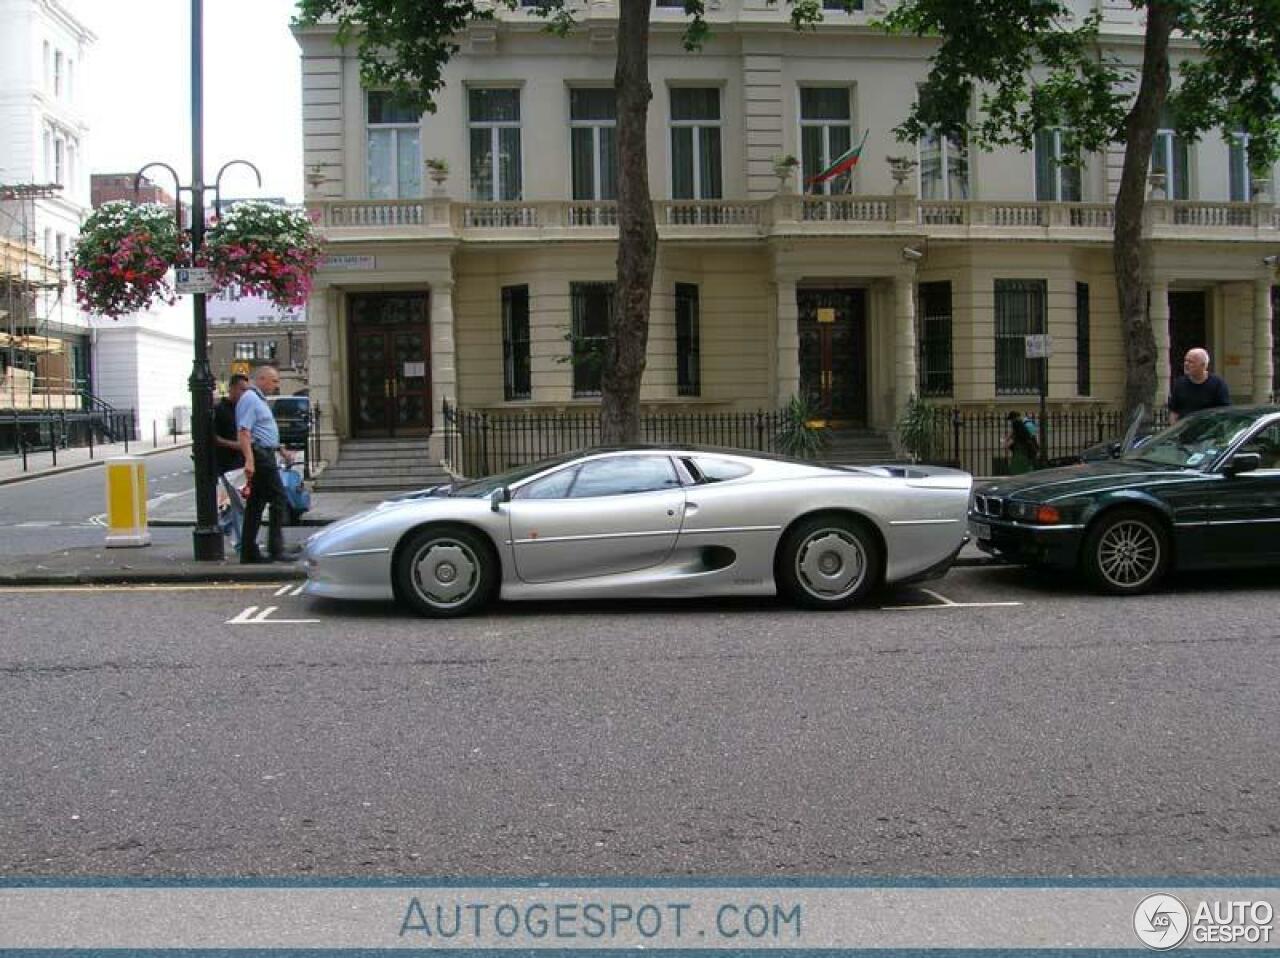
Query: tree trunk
[637, 235]
[1129, 253]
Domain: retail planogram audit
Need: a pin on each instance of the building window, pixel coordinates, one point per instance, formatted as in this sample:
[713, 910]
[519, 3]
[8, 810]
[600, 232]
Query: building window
[1170, 155]
[516, 380]
[688, 341]
[245, 351]
[47, 59]
[593, 118]
[394, 149]
[1083, 385]
[71, 78]
[1243, 179]
[936, 377]
[494, 117]
[944, 167]
[269, 349]
[678, 4]
[60, 250]
[59, 148]
[840, 5]
[695, 143]
[592, 310]
[57, 73]
[1057, 170]
[1020, 312]
[826, 133]
[1275, 343]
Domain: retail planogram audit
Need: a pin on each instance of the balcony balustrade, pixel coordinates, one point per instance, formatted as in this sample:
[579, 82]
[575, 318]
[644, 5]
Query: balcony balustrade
[793, 215]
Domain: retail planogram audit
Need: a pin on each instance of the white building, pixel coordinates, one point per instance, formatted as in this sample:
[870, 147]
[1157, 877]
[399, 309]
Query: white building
[43, 49]
[878, 287]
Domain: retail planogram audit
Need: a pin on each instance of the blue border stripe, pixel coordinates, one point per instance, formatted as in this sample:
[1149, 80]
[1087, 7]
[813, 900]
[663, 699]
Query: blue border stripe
[596, 881]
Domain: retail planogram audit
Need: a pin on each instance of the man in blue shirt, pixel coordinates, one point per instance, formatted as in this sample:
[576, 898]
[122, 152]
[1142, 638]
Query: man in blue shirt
[259, 438]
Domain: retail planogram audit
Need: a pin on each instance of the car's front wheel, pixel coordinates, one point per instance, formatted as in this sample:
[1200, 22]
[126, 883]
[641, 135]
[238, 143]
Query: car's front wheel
[828, 562]
[444, 572]
[1126, 552]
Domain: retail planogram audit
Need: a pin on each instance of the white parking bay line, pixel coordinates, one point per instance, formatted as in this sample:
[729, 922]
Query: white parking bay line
[290, 590]
[262, 616]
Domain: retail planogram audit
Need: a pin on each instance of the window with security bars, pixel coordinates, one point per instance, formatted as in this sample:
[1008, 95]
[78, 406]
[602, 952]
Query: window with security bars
[591, 306]
[934, 344]
[1083, 385]
[1020, 312]
[688, 341]
[516, 379]
[1275, 341]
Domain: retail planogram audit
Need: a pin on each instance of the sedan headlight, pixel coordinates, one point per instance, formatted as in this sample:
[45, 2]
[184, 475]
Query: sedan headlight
[1034, 512]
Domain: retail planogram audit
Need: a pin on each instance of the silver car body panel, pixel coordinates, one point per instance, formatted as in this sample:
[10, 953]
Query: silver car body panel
[716, 538]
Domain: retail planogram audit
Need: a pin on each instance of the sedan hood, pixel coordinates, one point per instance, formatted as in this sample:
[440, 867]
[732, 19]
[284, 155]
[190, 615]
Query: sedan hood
[1048, 484]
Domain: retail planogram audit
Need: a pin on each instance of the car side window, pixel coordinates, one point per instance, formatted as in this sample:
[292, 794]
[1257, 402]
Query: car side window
[1266, 443]
[720, 470]
[554, 486]
[623, 476]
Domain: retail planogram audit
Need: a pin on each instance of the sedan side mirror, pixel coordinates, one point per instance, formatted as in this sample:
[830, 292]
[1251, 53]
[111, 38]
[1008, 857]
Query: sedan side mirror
[1242, 462]
[503, 494]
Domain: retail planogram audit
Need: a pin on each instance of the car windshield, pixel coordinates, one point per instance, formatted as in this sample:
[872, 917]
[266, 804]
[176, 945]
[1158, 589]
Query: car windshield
[479, 488]
[1194, 442]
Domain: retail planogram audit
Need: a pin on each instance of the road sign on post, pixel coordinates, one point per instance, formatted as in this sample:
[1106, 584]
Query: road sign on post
[189, 280]
[1040, 346]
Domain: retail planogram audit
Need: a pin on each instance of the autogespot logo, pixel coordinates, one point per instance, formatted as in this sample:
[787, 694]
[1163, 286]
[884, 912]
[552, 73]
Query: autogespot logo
[1161, 921]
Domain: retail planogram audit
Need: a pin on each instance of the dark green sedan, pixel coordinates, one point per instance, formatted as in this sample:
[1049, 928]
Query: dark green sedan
[1202, 494]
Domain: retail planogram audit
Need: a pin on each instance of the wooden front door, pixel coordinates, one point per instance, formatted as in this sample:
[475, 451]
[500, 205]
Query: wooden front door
[833, 353]
[390, 350]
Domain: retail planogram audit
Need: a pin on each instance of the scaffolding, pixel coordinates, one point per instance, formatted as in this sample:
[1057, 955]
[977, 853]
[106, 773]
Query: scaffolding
[26, 277]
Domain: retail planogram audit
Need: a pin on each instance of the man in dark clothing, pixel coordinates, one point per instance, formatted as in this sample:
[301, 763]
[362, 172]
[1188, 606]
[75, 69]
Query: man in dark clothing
[226, 448]
[1197, 388]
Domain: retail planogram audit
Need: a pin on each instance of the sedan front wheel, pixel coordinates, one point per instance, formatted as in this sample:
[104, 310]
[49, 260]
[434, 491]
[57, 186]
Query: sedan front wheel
[1126, 553]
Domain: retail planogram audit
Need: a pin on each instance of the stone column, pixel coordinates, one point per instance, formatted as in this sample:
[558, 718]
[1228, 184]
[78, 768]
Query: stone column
[787, 343]
[904, 312]
[1160, 329]
[322, 319]
[444, 362]
[1263, 375]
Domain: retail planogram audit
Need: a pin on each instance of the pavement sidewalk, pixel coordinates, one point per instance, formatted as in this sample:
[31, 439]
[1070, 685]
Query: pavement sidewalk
[169, 557]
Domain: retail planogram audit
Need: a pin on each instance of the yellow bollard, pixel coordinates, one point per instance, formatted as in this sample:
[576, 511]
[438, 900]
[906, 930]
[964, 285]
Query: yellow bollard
[127, 502]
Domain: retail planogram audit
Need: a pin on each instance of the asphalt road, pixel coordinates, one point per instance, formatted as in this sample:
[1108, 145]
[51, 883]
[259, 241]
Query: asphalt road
[230, 730]
[66, 510]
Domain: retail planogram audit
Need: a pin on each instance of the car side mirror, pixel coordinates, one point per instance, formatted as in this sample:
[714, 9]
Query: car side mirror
[1242, 462]
[503, 494]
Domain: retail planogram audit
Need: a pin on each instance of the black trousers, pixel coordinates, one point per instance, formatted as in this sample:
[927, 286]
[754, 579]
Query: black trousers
[264, 489]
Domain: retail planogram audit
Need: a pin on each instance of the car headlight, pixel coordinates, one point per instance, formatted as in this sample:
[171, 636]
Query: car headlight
[1034, 512]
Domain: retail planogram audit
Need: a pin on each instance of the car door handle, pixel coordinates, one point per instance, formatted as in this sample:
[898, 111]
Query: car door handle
[690, 508]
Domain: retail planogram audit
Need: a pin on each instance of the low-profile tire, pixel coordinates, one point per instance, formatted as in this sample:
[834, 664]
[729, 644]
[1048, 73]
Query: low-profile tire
[446, 571]
[1126, 552]
[828, 562]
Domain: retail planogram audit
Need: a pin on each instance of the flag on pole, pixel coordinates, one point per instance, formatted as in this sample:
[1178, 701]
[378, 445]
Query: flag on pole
[841, 164]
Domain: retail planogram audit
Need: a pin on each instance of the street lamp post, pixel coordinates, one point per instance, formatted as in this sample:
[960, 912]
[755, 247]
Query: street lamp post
[207, 542]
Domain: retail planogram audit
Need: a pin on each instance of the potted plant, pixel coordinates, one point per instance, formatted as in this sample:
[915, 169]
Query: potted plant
[437, 169]
[797, 435]
[918, 429]
[264, 248]
[783, 167]
[120, 262]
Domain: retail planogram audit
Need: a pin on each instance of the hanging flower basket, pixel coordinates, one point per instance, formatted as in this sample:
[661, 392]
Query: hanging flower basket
[123, 254]
[264, 249]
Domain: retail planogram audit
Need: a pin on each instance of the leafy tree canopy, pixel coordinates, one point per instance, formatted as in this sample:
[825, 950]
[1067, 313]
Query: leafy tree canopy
[1034, 64]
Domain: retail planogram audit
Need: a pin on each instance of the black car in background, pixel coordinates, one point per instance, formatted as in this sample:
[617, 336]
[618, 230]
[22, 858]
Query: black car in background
[1204, 493]
[293, 417]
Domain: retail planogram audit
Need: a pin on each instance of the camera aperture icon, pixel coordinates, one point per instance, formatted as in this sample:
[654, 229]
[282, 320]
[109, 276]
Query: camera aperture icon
[1161, 921]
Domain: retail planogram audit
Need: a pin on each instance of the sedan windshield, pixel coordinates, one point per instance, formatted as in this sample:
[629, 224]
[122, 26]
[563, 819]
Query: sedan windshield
[1194, 442]
[479, 488]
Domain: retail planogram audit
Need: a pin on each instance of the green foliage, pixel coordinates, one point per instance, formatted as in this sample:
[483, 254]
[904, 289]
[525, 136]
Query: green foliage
[1028, 65]
[797, 436]
[919, 428]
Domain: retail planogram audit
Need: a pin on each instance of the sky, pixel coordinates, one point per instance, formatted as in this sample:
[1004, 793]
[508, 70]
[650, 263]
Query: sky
[138, 100]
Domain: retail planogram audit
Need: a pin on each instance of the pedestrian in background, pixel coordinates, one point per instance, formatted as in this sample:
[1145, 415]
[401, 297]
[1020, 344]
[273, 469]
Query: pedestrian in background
[1021, 442]
[1196, 388]
[226, 444]
[259, 438]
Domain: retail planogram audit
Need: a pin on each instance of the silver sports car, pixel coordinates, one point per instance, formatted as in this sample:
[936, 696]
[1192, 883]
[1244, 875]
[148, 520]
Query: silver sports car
[649, 522]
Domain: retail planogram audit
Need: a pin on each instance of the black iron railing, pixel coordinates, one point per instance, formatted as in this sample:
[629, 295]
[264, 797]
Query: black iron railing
[27, 431]
[480, 444]
[974, 440]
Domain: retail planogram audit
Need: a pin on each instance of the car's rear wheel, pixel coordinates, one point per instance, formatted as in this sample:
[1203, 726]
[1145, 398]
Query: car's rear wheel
[445, 571]
[828, 562]
[1126, 552]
